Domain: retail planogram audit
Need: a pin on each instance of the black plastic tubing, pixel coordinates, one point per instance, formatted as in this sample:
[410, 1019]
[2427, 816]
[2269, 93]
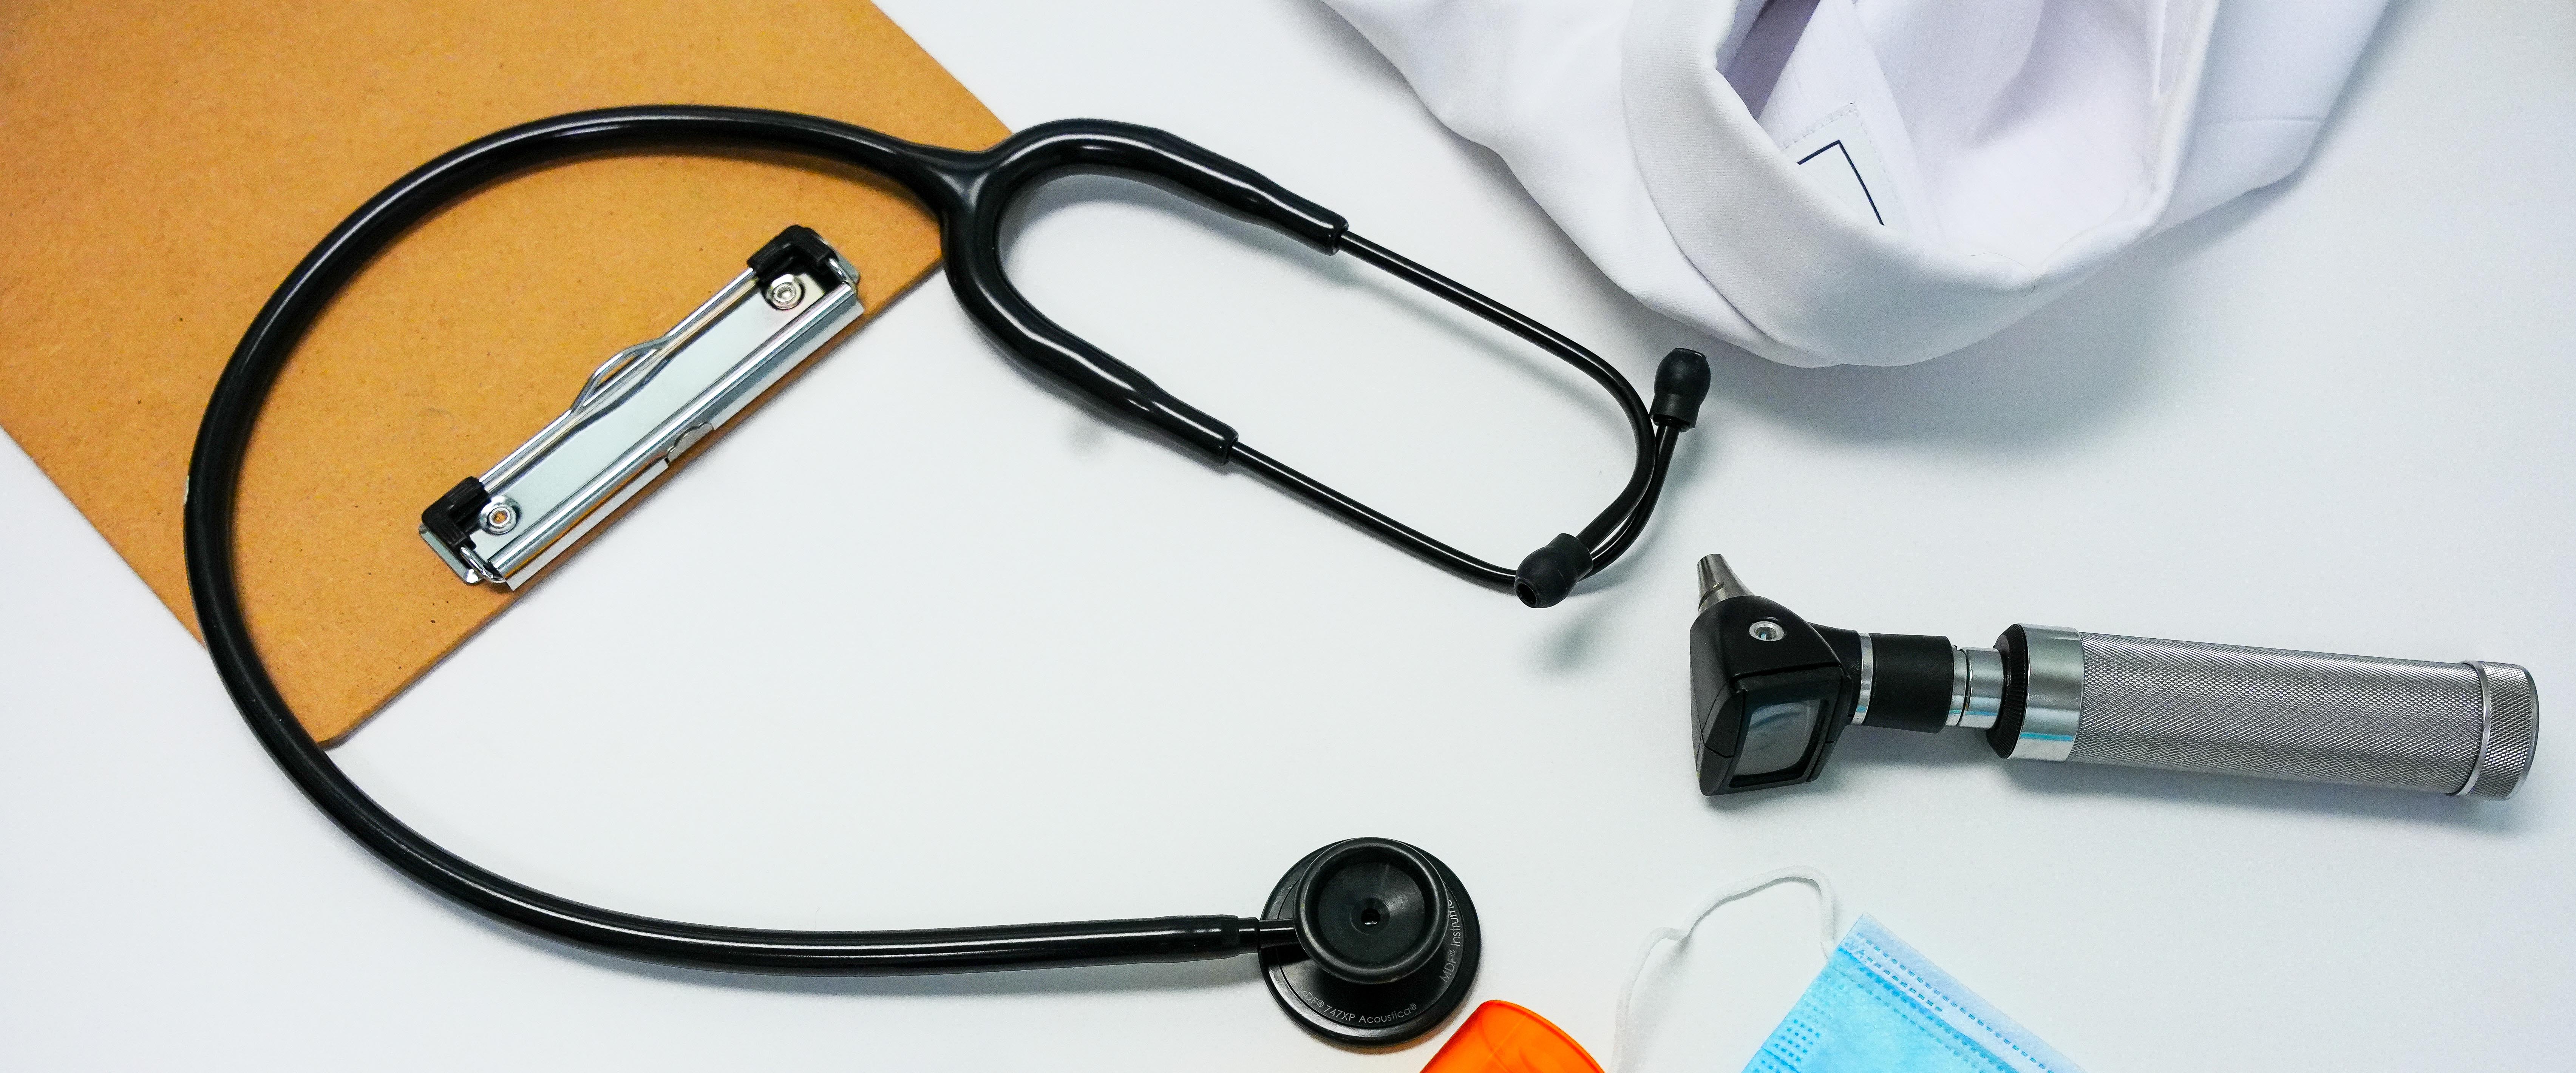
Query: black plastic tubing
[970, 193]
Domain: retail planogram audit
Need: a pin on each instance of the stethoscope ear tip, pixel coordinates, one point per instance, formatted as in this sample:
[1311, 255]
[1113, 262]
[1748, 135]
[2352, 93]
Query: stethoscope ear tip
[1681, 384]
[1548, 574]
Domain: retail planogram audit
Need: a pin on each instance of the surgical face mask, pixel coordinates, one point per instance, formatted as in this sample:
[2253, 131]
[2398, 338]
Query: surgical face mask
[1877, 1005]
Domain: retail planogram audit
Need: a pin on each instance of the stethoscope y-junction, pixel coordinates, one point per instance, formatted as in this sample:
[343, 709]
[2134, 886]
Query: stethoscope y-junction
[1367, 941]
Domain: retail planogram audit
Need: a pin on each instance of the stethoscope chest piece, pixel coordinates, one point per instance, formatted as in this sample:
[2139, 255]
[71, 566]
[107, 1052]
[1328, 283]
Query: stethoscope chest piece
[1386, 947]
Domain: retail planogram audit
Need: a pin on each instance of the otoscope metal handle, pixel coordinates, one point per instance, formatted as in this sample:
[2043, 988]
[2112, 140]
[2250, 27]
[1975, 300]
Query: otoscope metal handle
[2468, 729]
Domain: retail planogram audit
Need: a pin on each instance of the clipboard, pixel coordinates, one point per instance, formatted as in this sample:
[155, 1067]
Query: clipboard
[170, 163]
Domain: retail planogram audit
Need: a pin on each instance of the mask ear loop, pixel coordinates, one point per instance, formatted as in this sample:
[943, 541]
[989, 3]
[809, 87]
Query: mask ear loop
[1829, 910]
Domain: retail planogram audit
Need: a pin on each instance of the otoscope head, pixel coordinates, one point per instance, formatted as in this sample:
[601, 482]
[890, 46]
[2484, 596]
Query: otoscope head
[1770, 693]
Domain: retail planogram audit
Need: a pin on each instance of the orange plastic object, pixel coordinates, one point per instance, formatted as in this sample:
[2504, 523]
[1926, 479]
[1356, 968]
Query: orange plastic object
[1503, 1038]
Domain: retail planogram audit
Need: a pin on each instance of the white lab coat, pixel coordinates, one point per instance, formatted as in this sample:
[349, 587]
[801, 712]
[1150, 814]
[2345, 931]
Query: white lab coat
[1872, 182]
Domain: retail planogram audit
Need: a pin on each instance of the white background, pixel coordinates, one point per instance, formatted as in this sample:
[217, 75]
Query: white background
[975, 657]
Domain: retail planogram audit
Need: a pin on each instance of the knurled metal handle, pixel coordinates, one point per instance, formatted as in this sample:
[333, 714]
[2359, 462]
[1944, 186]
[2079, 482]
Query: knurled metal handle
[2453, 728]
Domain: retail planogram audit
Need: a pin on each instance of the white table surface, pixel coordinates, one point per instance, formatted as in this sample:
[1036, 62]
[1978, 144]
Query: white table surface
[1099, 679]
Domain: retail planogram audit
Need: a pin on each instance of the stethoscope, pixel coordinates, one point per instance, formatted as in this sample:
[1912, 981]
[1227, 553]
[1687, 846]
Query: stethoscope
[1367, 942]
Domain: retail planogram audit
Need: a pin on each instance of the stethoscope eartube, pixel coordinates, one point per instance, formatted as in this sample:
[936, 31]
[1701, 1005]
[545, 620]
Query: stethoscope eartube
[973, 194]
[1367, 942]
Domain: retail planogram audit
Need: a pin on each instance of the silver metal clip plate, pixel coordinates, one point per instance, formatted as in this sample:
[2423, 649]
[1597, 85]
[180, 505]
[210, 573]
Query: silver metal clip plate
[641, 410]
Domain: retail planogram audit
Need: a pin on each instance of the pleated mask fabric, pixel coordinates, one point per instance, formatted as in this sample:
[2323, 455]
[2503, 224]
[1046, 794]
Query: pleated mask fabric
[1878, 1004]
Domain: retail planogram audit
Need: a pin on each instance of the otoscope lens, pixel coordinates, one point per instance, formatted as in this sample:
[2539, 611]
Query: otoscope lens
[1775, 735]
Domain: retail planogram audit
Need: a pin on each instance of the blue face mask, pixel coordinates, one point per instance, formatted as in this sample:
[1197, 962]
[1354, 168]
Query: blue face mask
[1878, 1005]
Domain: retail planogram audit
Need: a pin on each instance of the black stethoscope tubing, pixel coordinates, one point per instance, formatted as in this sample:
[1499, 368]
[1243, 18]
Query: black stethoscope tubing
[969, 192]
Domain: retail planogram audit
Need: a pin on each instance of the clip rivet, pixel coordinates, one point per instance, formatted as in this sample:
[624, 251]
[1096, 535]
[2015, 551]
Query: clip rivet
[784, 292]
[500, 516]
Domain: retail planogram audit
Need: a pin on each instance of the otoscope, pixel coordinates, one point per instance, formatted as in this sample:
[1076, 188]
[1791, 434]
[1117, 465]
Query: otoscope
[1772, 693]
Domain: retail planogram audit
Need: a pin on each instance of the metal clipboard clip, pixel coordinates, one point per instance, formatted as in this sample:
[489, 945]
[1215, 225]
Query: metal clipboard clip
[641, 410]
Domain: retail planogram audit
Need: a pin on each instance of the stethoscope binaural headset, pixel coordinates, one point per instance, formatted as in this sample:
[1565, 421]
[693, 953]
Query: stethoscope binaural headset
[1367, 942]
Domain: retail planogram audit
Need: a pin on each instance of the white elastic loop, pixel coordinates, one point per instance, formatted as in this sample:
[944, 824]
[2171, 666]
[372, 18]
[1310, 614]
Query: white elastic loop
[1826, 937]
